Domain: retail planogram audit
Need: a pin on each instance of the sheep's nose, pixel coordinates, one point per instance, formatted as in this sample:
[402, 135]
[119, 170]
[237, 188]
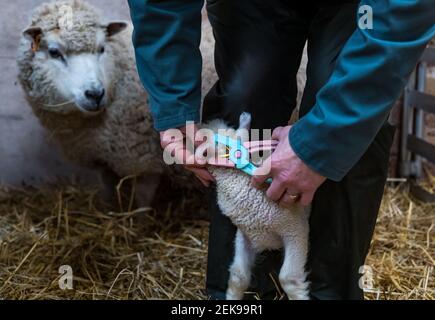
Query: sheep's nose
[96, 95]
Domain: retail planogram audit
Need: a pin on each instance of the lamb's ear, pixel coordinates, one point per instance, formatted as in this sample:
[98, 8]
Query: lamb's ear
[244, 126]
[115, 27]
[35, 35]
[245, 121]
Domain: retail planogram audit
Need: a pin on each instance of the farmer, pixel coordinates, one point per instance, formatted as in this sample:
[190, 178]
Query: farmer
[336, 155]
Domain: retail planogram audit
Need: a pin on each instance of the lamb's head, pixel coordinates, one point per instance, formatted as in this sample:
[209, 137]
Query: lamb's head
[66, 60]
[222, 128]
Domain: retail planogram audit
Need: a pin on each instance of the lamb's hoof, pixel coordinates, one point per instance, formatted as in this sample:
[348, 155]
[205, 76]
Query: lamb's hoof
[295, 289]
[232, 295]
[298, 296]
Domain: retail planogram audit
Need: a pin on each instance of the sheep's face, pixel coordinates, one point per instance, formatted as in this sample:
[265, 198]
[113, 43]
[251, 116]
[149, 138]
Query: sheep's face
[73, 70]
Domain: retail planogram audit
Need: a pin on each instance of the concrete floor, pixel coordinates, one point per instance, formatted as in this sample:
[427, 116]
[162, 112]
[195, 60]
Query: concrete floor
[26, 154]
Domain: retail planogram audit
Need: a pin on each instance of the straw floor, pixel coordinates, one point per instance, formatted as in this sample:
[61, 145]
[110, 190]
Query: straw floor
[144, 254]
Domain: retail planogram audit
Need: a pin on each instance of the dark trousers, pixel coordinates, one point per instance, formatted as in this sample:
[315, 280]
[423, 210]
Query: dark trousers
[259, 45]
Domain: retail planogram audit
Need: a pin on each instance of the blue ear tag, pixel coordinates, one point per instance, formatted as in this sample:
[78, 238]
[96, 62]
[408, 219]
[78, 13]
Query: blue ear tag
[238, 154]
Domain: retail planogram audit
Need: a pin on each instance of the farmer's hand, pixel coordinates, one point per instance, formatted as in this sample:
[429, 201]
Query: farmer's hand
[292, 180]
[174, 141]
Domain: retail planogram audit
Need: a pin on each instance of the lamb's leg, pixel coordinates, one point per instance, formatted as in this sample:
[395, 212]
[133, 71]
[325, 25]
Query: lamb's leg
[240, 270]
[146, 187]
[292, 275]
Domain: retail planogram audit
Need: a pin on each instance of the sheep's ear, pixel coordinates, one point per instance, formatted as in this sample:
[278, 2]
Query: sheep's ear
[115, 27]
[35, 35]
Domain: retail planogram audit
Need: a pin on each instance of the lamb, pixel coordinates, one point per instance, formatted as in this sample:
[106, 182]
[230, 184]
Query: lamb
[261, 223]
[80, 79]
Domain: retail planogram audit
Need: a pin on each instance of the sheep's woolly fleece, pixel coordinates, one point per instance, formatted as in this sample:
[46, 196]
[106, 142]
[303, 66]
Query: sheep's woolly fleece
[122, 138]
[79, 35]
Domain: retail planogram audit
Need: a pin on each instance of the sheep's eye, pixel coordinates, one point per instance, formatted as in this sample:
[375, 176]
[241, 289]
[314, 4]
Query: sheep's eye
[55, 53]
[102, 50]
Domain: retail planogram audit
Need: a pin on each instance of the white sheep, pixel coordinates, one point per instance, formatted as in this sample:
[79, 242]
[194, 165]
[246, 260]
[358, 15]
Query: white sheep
[80, 79]
[262, 225]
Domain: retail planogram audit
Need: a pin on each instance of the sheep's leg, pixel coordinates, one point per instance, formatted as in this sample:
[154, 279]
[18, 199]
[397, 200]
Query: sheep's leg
[146, 187]
[292, 275]
[109, 181]
[240, 270]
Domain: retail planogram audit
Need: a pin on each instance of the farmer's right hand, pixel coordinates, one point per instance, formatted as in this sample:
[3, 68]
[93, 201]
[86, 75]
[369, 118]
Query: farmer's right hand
[174, 142]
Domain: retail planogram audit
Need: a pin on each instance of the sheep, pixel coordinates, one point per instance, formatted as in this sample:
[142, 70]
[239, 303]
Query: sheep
[79, 76]
[261, 224]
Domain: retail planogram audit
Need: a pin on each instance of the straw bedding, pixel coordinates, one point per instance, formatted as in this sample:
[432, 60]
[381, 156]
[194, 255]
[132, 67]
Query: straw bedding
[161, 254]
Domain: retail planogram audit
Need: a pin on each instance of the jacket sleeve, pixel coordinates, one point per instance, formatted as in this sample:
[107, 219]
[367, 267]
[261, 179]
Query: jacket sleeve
[370, 74]
[166, 38]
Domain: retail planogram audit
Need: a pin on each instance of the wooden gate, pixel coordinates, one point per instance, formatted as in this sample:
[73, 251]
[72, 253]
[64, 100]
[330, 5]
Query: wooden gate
[413, 146]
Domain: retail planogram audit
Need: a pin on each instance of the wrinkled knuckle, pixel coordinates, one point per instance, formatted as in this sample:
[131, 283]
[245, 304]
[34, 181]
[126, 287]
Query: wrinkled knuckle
[286, 177]
[279, 182]
[271, 195]
[305, 187]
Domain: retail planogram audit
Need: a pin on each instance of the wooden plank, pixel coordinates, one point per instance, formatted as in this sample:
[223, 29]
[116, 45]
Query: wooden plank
[421, 148]
[420, 193]
[420, 100]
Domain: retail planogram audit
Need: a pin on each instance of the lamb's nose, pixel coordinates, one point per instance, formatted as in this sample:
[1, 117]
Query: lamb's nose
[95, 95]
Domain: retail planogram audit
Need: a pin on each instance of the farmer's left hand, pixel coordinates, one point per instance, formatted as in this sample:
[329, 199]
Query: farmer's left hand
[293, 181]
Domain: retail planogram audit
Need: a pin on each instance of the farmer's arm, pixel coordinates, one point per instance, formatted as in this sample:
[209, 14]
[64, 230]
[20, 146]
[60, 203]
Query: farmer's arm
[166, 37]
[371, 71]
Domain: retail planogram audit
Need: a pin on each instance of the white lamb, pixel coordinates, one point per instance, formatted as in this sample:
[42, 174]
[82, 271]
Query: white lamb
[262, 225]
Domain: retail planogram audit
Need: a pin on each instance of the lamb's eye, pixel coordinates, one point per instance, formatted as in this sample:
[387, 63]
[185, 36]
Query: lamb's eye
[55, 53]
[102, 50]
